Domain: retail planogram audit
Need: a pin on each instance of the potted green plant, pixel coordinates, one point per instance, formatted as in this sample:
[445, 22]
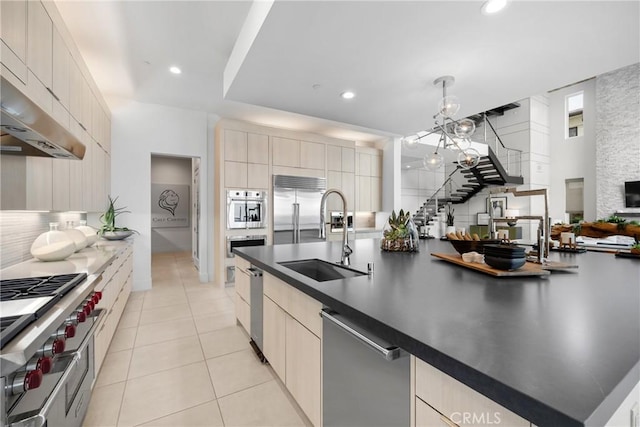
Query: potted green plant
[450, 228]
[400, 234]
[108, 230]
[635, 249]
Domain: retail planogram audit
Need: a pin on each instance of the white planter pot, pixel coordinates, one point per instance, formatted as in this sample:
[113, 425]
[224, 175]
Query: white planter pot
[450, 229]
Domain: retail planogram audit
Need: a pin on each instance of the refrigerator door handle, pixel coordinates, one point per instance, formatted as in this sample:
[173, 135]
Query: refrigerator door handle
[296, 223]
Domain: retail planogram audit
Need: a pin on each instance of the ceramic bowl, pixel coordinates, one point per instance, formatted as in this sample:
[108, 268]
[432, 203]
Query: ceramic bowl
[117, 235]
[464, 246]
[504, 263]
[504, 251]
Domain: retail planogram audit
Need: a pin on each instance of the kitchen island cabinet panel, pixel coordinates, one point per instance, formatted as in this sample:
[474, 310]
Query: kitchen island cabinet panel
[303, 368]
[273, 333]
[455, 400]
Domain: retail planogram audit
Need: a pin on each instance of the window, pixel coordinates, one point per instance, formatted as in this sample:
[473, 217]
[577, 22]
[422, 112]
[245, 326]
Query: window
[574, 120]
[574, 193]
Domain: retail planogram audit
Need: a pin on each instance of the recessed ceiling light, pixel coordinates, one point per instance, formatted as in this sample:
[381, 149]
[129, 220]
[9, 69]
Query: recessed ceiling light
[348, 95]
[493, 6]
[175, 70]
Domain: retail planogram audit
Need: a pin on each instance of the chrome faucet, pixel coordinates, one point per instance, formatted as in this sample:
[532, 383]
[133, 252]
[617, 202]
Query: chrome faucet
[346, 250]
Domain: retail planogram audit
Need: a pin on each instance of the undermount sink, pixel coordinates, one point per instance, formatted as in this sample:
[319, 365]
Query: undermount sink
[321, 271]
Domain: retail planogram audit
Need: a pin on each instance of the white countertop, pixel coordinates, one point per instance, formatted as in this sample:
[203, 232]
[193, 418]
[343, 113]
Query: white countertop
[89, 260]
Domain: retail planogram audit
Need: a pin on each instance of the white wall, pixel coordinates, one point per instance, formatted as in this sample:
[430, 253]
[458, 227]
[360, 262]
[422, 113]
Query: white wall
[139, 130]
[173, 171]
[573, 157]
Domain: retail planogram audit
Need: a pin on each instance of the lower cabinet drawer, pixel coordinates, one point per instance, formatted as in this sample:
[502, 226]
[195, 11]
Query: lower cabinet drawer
[243, 313]
[426, 416]
[458, 402]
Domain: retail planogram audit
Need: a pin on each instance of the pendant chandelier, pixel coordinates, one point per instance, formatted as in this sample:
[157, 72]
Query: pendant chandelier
[454, 134]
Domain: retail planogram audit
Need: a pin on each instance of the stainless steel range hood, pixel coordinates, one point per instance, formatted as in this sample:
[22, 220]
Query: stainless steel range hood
[27, 130]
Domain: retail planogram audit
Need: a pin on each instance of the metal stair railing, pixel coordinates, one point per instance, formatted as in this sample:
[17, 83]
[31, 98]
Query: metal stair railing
[511, 158]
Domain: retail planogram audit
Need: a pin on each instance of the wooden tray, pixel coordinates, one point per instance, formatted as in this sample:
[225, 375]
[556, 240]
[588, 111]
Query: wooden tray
[528, 269]
[627, 255]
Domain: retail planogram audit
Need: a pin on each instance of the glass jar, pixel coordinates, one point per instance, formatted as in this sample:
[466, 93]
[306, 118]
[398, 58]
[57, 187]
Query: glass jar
[54, 245]
[406, 241]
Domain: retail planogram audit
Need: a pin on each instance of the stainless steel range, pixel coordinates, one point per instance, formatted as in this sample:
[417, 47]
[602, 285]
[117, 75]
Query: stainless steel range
[46, 349]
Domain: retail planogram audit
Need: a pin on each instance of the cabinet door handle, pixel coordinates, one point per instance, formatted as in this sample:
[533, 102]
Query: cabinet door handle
[53, 94]
[390, 353]
[82, 126]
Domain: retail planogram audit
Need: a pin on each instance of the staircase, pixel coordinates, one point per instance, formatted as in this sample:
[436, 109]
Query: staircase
[488, 172]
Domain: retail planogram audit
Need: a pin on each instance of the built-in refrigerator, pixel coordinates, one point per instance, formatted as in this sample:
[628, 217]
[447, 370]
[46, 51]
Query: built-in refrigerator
[296, 208]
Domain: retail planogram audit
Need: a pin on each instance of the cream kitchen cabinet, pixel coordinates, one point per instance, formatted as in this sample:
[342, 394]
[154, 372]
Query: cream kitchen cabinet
[60, 79]
[13, 31]
[303, 368]
[115, 287]
[39, 172]
[292, 331]
[235, 146]
[61, 199]
[455, 402]
[40, 43]
[76, 82]
[246, 160]
[312, 155]
[348, 159]
[369, 181]
[258, 148]
[235, 175]
[286, 152]
[243, 294]
[75, 184]
[273, 336]
[334, 158]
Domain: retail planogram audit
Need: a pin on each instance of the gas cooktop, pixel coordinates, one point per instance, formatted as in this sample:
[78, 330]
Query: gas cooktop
[22, 301]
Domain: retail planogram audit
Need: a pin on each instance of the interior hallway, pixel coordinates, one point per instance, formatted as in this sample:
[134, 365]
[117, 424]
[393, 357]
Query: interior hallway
[178, 359]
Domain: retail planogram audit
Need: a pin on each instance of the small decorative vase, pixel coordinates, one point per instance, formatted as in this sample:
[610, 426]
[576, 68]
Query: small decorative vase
[450, 229]
[54, 245]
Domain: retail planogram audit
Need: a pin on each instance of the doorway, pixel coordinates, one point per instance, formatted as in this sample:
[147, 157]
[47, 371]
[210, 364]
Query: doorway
[175, 206]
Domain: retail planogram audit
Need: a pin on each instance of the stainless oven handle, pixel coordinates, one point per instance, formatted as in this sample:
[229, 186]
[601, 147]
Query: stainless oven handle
[40, 418]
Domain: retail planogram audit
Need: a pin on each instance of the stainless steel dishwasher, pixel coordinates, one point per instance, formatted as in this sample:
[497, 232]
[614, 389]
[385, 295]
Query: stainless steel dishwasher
[255, 291]
[366, 381]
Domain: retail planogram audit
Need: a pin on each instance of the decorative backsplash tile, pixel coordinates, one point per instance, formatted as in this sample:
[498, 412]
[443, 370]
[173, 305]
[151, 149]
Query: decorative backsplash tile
[18, 230]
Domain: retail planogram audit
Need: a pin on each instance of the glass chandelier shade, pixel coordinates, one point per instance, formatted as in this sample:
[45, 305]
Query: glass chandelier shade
[410, 142]
[433, 161]
[464, 128]
[449, 106]
[468, 158]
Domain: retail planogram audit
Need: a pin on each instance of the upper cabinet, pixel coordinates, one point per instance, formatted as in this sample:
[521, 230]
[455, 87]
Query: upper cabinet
[36, 58]
[312, 155]
[286, 152]
[246, 158]
[368, 180]
[13, 31]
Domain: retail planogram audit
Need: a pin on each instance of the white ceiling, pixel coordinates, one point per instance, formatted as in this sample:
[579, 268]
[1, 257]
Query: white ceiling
[387, 52]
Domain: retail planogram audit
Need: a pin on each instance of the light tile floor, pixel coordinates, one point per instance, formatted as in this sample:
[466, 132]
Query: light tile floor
[178, 359]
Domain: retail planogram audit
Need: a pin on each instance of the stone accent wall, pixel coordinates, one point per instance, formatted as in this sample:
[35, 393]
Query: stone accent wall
[617, 136]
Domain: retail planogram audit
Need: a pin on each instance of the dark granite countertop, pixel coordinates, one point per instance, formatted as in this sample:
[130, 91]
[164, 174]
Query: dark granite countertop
[557, 350]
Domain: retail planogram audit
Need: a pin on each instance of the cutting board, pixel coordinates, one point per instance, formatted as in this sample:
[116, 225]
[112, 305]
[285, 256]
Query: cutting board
[528, 269]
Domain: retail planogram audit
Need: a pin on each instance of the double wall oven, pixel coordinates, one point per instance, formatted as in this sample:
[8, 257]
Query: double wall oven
[46, 349]
[246, 209]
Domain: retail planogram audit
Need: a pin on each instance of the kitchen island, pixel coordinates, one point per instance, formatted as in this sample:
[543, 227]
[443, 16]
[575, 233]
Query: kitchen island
[557, 350]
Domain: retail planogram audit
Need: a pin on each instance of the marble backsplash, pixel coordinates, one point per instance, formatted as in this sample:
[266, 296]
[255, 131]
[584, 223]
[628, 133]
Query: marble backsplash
[18, 230]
